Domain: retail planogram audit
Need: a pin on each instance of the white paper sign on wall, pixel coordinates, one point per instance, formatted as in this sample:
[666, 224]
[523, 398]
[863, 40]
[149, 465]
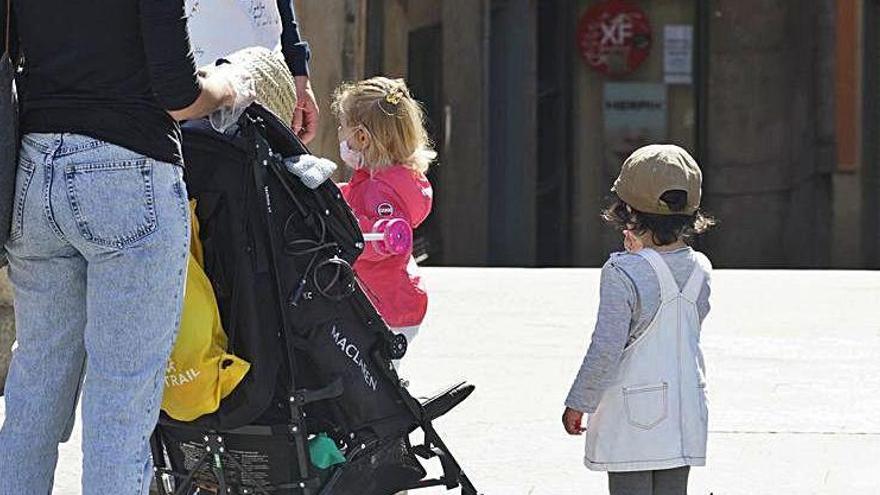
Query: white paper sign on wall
[678, 53]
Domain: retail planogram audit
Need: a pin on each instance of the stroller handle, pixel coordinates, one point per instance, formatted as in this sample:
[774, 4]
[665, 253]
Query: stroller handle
[393, 236]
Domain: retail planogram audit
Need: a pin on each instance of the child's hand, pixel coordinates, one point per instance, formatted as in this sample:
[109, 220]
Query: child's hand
[572, 420]
[631, 242]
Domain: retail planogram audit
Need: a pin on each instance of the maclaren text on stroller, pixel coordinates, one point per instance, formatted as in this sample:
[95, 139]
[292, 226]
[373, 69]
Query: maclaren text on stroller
[279, 256]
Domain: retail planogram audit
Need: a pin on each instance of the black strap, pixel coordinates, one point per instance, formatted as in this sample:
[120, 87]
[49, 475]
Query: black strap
[8, 32]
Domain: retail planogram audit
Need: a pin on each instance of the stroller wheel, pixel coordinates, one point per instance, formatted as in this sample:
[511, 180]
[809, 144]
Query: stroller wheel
[397, 346]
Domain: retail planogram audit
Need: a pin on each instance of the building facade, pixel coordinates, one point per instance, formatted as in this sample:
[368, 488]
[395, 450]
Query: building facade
[533, 104]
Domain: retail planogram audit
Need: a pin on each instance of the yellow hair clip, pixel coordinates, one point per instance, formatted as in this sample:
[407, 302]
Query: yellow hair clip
[394, 96]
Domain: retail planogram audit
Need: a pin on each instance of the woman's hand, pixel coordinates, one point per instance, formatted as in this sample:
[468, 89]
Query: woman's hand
[224, 89]
[305, 117]
[573, 421]
[241, 85]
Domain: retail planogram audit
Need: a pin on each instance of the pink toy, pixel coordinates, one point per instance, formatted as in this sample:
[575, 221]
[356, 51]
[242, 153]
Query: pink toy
[393, 236]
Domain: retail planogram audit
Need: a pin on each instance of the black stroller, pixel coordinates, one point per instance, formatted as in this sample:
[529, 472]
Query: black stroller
[279, 256]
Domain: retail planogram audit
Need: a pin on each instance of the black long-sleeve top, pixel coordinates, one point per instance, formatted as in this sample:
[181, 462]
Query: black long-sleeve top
[296, 51]
[109, 69]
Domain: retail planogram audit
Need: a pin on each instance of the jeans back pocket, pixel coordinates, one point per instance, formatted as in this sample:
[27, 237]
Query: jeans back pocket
[23, 177]
[646, 405]
[113, 201]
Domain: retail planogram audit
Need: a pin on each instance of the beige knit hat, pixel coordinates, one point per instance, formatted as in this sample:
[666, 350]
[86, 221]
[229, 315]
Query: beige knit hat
[272, 79]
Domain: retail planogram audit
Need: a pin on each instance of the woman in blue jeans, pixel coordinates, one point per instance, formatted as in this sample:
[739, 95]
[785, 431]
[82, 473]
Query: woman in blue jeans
[100, 233]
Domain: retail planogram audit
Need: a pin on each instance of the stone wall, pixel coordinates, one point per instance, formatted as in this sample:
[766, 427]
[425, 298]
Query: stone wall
[770, 142]
[336, 31]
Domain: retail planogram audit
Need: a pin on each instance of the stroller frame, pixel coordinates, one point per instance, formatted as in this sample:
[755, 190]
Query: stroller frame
[171, 482]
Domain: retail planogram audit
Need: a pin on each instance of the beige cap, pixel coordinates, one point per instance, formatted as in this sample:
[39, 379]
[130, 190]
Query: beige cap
[655, 169]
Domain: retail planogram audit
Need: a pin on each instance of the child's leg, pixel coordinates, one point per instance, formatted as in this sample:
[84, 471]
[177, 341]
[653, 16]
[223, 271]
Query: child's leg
[671, 481]
[410, 334]
[631, 483]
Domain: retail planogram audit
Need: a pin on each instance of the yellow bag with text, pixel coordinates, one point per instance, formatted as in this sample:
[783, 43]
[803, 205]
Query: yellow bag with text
[200, 372]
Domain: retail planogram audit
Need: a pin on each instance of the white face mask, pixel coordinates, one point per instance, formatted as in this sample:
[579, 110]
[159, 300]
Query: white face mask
[352, 158]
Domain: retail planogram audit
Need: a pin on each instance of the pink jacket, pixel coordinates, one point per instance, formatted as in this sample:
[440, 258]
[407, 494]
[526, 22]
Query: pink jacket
[391, 281]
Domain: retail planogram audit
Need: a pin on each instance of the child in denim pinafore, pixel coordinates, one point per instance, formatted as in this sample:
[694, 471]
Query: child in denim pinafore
[642, 381]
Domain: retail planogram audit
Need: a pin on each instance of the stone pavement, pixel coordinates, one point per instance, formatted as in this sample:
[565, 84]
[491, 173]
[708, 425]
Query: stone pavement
[794, 376]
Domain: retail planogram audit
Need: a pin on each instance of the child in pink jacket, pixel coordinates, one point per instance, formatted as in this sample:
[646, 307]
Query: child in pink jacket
[383, 138]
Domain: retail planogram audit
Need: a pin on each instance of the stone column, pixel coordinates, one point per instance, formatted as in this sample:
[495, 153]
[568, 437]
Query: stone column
[336, 31]
[7, 326]
[513, 128]
[770, 132]
[463, 199]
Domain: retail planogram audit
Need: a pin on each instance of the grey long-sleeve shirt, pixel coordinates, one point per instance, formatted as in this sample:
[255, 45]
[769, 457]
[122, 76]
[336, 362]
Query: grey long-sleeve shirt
[629, 299]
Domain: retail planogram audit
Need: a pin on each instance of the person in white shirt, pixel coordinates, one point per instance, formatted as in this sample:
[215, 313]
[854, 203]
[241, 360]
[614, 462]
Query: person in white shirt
[220, 27]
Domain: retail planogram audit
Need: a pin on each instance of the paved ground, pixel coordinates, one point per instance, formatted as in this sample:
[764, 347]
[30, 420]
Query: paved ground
[794, 370]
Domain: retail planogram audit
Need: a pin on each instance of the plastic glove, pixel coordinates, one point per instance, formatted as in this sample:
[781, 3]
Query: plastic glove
[242, 85]
[311, 170]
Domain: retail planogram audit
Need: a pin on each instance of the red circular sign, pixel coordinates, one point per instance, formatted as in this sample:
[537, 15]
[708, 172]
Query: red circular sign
[614, 37]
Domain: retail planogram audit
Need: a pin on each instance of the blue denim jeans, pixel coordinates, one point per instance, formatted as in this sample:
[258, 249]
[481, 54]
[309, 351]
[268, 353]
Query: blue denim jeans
[97, 258]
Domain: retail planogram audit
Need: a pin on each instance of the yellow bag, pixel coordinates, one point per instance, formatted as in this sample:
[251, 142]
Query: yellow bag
[200, 373]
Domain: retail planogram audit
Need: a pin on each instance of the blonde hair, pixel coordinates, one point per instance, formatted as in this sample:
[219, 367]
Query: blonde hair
[394, 120]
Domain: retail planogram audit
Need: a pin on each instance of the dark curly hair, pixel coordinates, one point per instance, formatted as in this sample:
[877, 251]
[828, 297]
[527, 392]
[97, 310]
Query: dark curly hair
[664, 229]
